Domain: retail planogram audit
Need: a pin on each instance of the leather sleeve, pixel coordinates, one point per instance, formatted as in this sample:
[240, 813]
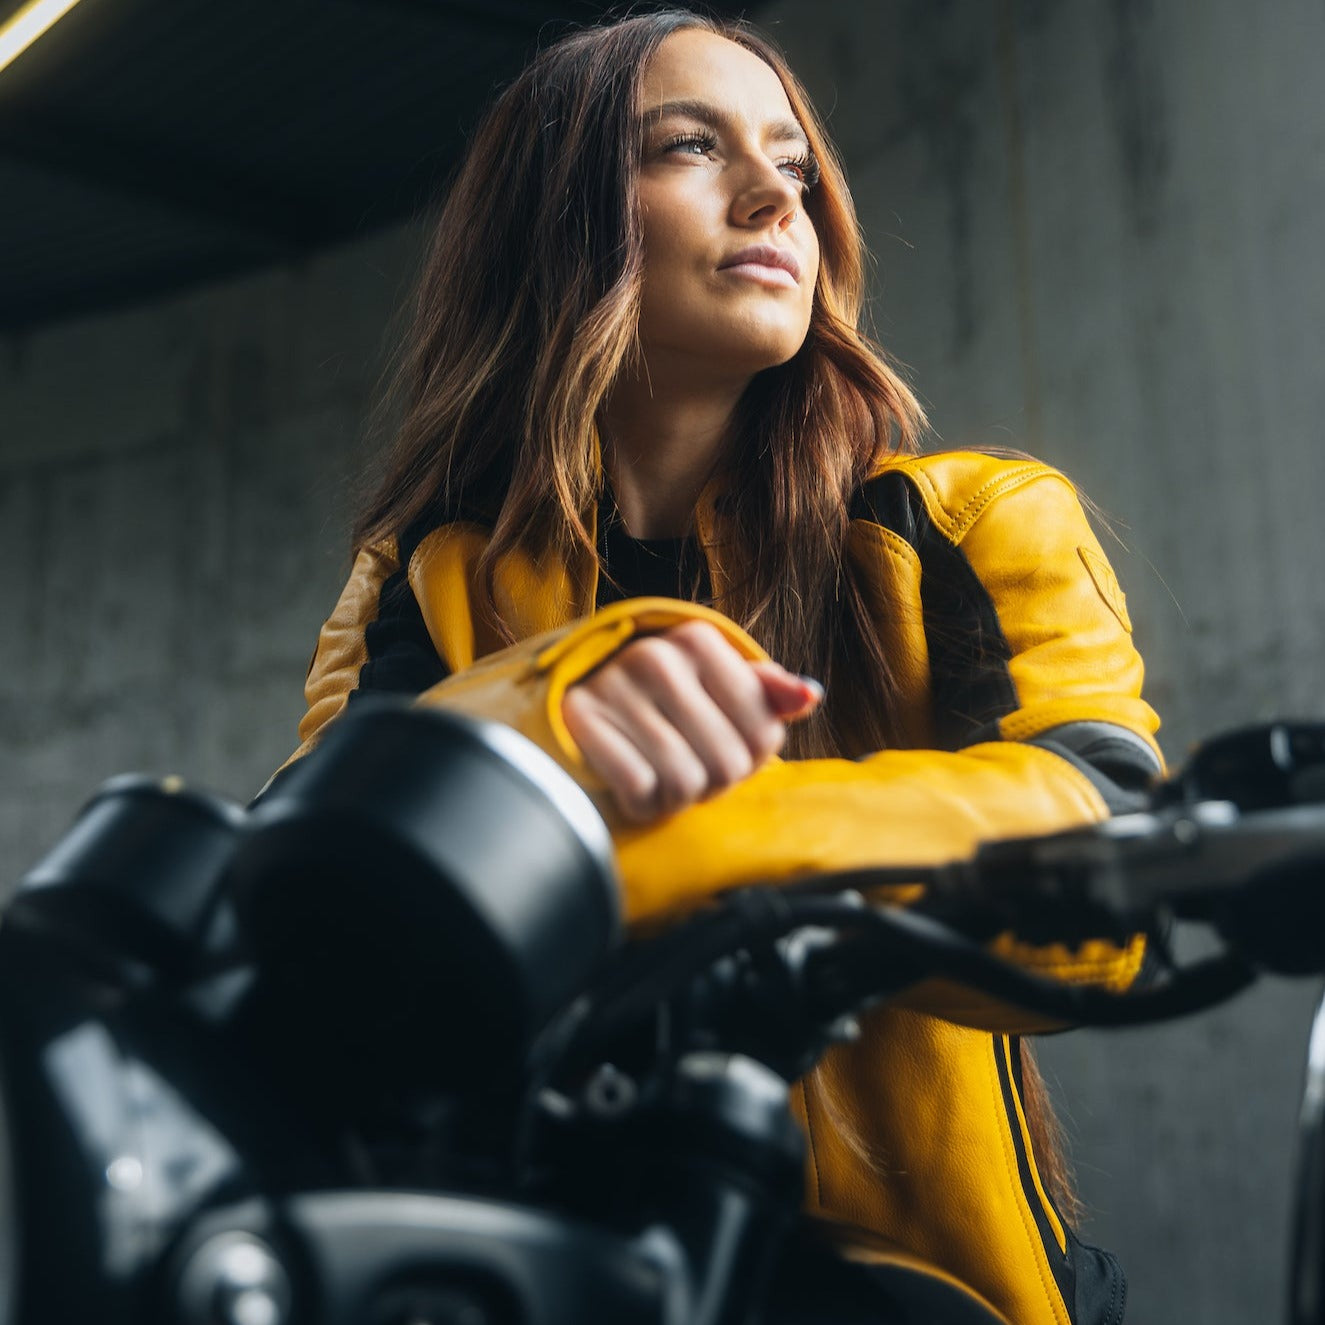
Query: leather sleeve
[792, 819]
[1070, 661]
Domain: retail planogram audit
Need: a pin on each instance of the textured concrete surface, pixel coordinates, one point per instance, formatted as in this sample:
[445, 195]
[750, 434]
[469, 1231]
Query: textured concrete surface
[175, 485]
[1098, 236]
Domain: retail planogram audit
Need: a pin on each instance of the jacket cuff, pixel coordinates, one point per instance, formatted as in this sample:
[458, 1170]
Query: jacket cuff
[524, 685]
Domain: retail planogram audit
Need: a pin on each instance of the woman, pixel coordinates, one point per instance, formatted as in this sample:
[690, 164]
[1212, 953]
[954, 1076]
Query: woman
[645, 450]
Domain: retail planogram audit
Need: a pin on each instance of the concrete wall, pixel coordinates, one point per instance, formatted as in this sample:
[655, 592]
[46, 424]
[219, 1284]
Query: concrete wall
[1098, 228]
[175, 484]
[1099, 232]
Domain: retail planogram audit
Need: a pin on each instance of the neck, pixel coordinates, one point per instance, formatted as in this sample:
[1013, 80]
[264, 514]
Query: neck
[662, 445]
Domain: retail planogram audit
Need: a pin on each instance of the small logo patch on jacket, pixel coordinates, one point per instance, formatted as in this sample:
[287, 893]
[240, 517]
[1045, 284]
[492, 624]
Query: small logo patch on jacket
[1101, 573]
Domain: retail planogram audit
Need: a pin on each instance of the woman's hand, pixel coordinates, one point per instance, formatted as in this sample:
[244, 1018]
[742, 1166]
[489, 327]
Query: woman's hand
[676, 717]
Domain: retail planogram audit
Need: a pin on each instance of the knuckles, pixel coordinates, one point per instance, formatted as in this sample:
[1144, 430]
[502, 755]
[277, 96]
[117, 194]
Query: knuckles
[637, 797]
[701, 637]
[666, 669]
[656, 665]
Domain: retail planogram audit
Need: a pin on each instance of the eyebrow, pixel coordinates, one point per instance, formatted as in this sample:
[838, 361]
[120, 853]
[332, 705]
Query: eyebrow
[705, 113]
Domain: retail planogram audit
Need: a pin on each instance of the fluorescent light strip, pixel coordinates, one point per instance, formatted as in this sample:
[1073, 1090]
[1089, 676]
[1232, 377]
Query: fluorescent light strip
[28, 24]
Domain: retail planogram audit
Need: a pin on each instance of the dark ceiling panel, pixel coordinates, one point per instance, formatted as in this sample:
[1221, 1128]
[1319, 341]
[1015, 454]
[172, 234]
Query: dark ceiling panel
[146, 144]
[131, 251]
[158, 176]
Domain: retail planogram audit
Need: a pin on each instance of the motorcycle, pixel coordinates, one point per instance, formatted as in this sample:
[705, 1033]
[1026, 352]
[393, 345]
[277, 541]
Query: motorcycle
[375, 1052]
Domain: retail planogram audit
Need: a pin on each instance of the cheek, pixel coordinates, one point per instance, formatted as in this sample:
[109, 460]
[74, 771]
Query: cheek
[677, 224]
[661, 245]
[815, 257]
[811, 282]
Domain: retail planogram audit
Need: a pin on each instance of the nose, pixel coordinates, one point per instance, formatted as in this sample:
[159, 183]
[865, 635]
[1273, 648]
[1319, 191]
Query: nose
[768, 199]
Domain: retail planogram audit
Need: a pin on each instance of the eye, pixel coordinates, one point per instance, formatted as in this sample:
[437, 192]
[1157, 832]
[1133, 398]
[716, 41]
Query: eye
[691, 144]
[803, 168]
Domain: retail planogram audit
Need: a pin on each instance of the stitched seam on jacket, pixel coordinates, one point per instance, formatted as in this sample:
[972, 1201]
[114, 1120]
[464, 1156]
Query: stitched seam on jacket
[1057, 1308]
[895, 543]
[1117, 1297]
[956, 525]
[960, 521]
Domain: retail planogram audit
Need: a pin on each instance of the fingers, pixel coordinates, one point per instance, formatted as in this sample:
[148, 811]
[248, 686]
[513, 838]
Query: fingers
[735, 687]
[707, 691]
[624, 725]
[790, 696]
[612, 755]
[676, 717]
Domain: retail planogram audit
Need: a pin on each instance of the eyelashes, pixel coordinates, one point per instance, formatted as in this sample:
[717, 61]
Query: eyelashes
[807, 165]
[702, 143]
[705, 142]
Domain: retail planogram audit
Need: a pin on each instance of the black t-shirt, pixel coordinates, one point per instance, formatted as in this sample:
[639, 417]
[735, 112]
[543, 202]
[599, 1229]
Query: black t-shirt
[649, 567]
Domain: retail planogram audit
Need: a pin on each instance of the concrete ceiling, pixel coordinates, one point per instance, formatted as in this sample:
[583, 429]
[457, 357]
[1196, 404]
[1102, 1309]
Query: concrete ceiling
[149, 144]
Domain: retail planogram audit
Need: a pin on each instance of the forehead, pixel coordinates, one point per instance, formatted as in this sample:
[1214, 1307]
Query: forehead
[694, 65]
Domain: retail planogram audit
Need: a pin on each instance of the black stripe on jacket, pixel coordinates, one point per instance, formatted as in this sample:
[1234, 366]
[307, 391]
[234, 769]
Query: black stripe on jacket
[1091, 1281]
[968, 652]
[1007, 1047]
[402, 659]
[969, 655]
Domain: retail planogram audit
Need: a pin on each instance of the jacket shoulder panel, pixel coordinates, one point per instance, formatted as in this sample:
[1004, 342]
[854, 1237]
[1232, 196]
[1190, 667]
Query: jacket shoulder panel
[957, 487]
[1026, 630]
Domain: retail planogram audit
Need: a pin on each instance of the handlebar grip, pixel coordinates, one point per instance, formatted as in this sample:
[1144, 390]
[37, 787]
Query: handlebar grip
[1256, 768]
[1258, 878]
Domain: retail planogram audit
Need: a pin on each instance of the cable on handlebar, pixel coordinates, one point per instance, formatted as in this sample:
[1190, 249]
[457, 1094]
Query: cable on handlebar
[880, 950]
[1190, 989]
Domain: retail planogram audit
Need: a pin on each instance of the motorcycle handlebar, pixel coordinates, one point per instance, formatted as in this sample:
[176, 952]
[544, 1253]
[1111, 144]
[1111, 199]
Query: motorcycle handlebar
[1255, 879]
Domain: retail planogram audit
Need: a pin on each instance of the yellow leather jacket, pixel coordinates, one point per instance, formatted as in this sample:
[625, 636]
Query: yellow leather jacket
[1020, 713]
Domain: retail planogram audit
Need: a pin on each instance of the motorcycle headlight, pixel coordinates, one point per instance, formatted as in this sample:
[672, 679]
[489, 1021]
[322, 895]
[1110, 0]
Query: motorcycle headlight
[425, 890]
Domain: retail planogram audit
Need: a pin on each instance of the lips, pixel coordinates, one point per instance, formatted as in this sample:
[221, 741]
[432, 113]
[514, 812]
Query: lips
[765, 261]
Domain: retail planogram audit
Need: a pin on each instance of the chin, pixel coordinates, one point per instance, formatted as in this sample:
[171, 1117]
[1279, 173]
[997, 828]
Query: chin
[755, 346]
[741, 345]
[762, 355]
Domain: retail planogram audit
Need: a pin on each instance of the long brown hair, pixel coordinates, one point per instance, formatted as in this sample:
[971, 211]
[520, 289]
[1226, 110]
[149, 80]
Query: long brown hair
[527, 311]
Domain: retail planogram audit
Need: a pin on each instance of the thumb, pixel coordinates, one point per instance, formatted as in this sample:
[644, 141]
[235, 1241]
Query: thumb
[791, 697]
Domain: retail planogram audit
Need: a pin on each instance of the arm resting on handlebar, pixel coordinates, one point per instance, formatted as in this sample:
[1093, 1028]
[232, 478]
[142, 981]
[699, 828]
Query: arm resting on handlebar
[791, 819]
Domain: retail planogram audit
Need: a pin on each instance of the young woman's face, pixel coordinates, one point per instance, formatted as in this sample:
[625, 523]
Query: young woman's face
[730, 257]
